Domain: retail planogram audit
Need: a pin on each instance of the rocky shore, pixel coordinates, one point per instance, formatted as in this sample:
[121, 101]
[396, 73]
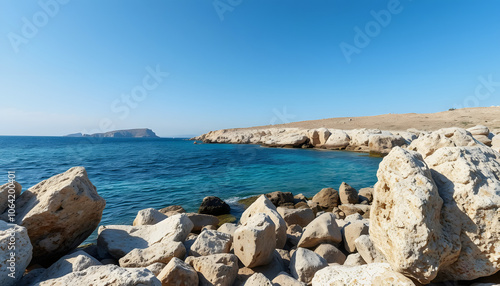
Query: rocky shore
[432, 218]
[373, 141]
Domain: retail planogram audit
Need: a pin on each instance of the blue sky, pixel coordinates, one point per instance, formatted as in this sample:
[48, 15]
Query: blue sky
[72, 66]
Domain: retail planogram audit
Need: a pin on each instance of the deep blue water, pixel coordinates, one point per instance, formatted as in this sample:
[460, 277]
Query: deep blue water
[133, 174]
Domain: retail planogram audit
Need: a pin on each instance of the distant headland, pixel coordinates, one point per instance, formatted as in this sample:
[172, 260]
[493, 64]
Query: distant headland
[129, 133]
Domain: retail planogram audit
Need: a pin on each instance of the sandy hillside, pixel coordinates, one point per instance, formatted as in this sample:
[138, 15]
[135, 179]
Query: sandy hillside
[465, 118]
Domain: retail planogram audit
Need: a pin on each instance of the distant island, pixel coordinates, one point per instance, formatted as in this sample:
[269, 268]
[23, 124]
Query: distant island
[129, 133]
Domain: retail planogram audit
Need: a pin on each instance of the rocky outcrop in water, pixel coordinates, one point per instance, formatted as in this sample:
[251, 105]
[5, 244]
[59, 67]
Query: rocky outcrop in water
[129, 133]
[374, 141]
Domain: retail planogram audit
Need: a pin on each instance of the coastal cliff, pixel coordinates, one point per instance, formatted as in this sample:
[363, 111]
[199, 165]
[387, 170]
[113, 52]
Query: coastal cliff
[370, 134]
[129, 133]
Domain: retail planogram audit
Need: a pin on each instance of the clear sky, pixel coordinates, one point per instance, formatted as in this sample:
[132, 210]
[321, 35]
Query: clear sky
[185, 67]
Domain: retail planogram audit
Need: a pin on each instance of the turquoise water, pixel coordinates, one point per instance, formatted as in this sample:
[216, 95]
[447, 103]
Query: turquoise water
[133, 174]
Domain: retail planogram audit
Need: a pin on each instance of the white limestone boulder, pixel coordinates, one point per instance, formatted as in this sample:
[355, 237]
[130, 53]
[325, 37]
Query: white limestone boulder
[468, 179]
[59, 213]
[405, 217]
[264, 205]
[255, 241]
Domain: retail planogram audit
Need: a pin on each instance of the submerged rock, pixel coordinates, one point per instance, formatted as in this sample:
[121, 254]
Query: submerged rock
[214, 206]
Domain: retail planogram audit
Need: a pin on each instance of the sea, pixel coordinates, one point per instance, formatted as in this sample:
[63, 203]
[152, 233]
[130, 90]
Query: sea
[137, 173]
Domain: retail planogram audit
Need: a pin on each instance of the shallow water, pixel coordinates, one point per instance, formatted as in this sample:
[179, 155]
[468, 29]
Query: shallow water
[137, 173]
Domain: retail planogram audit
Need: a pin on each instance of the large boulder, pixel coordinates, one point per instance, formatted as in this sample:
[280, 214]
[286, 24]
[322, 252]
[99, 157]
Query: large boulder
[439, 218]
[264, 205]
[305, 263]
[255, 241]
[364, 275]
[301, 216]
[327, 199]
[215, 269]
[59, 213]
[13, 189]
[348, 194]
[280, 198]
[427, 144]
[405, 217]
[148, 216]
[322, 229]
[13, 261]
[468, 180]
[178, 273]
[111, 275]
[338, 139]
[118, 240]
[214, 206]
[211, 242]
